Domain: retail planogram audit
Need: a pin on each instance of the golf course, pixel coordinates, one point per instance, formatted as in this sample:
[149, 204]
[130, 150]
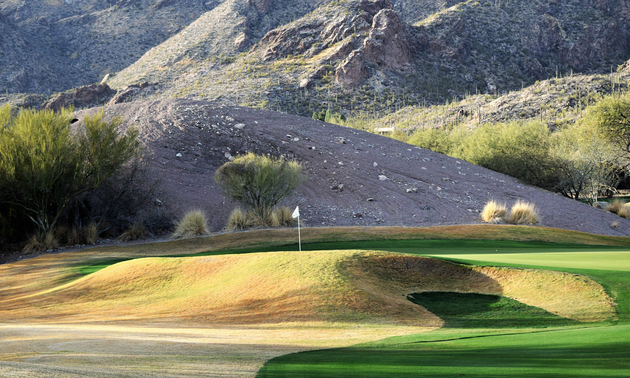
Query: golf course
[480, 301]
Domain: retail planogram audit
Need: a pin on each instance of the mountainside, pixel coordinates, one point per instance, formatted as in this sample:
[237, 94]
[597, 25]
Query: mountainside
[56, 45]
[354, 178]
[303, 57]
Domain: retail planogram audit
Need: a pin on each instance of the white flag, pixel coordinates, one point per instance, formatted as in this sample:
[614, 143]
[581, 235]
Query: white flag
[296, 212]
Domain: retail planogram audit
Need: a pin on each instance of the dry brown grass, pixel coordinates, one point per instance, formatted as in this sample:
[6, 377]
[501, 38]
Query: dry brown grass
[523, 213]
[193, 223]
[264, 288]
[615, 206]
[90, 233]
[134, 232]
[36, 243]
[494, 212]
[239, 220]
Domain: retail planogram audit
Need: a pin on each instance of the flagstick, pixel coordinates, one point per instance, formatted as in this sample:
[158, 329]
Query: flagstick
[299, 236]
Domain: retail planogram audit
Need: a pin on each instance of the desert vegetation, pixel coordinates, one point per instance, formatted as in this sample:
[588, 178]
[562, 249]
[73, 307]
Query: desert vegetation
[259, 183]
[193, 223]
[48, 169]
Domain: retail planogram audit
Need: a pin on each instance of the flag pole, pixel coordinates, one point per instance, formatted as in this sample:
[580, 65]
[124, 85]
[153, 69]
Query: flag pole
[296, 214]
[299, 235]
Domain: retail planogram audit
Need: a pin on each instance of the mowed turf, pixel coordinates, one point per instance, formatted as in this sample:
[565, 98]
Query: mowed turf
[581, 351]
[360, 294]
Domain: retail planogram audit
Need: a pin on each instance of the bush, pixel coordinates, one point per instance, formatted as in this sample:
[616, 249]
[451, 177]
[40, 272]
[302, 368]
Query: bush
[134, 232]
[239, 220]
[194, 223]
[282, 217]
[615, 207]
[45, 166]
[90, 233]
[259, 182]
[523, 213]
[494, 212]
[37, 243]
[624, 212]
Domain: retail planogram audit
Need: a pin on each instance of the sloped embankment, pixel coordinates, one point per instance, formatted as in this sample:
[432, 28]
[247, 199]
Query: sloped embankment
[321, 286]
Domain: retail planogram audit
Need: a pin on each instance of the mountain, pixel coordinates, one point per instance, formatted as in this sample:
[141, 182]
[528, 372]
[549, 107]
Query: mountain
[303, 57]
[57, 45]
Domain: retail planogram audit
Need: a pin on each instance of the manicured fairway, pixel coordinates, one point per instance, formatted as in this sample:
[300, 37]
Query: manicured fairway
[579, 352]
[585, 350]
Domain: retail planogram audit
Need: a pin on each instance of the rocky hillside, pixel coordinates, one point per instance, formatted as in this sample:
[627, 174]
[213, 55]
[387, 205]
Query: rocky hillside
[56, 45]
[354, 178]
[558, 102]
[305, 56]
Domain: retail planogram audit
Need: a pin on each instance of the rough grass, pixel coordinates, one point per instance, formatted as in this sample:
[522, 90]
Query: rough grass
[193, 223]
[523, 213]
[494, 212]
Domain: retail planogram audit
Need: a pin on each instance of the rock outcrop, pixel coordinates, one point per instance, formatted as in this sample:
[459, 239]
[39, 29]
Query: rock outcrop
[81, 97]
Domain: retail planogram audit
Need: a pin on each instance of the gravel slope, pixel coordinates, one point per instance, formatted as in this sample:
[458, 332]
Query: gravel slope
[354, 178]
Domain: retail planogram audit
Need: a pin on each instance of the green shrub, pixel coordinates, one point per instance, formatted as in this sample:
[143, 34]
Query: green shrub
[194, 223]
[259, 182]
[523, 213]
[494, 212]
[45, 166]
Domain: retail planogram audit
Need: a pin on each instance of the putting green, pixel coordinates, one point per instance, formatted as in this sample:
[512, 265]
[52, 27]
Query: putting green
[619, 261]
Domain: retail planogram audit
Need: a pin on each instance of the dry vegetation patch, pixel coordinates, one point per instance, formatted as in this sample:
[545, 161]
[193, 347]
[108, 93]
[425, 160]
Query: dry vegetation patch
[279, 287]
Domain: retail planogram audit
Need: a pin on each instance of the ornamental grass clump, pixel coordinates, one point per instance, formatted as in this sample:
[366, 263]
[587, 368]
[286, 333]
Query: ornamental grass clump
[615, 207]
[194, 223]
[494, 212]
[239, 220]
[523, 213]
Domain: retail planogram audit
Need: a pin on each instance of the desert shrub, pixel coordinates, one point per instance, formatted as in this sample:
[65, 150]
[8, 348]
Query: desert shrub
[193, 223]
[438, 140]
[523, 213]
[517, 149]
[615, 207]
[239, 220]
[624, 211]
[37, 243]
[282, 217]
[134, 232]
[44, 165]
[494, 212]
[259, 182]
[89, 233]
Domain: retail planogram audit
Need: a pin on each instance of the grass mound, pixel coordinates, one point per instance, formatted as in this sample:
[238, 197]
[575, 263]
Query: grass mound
[274, 287]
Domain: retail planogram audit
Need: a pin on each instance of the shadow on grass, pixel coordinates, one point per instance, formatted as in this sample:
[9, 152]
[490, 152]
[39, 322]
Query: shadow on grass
[471, 310]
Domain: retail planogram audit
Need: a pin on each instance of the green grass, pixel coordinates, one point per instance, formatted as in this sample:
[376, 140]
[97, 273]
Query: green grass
[471, 310]
[502, 349]
[573, 352]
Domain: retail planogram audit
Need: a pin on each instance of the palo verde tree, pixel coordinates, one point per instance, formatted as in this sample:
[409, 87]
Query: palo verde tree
[259, 182]
[611, 116]
[45, 164]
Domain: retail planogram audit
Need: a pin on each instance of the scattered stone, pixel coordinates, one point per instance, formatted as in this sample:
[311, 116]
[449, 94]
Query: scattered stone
[370, 199]
[239, 126]
[179, 154]
[383, 177]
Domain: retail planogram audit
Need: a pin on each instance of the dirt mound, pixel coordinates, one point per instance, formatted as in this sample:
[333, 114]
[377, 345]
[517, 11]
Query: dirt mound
[354, 178]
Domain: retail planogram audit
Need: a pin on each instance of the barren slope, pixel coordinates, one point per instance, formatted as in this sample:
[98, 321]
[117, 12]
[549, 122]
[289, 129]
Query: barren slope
[354, 178]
